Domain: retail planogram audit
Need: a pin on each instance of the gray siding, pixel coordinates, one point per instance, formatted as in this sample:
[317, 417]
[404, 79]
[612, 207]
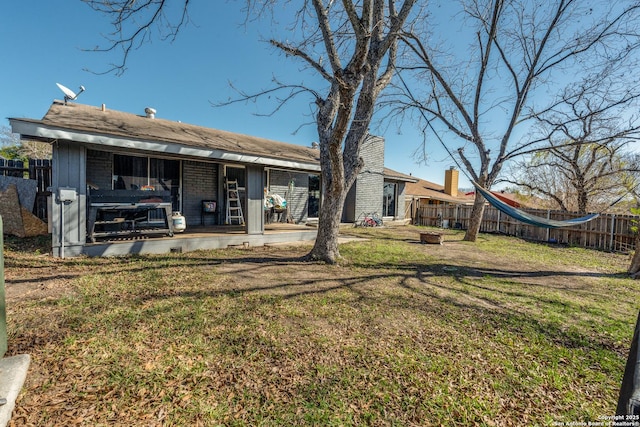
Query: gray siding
[100, 169]
[69, 170]
[297, 202]
[400, 203]
[254, 216]
[349, 208]
[199, 182]
[367, 190]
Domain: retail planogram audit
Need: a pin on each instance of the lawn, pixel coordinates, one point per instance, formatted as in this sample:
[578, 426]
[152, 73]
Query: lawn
[496, 332]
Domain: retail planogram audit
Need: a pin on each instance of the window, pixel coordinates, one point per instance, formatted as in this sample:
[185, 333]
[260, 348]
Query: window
[134, 173]
[389, 199]
[129, 173]
[313, 205]
[236, 174]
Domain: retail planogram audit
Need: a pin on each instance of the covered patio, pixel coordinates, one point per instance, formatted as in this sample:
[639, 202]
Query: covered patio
[122, 183]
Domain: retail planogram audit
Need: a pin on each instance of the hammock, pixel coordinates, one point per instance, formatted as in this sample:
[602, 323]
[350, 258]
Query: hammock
[528, 218]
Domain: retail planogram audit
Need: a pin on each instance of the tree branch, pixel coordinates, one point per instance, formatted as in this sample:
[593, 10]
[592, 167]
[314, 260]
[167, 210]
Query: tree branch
[289, 50]
[124, 12]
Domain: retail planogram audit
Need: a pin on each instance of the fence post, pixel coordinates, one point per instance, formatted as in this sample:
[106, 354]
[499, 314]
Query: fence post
[613, 232]
[548, 229]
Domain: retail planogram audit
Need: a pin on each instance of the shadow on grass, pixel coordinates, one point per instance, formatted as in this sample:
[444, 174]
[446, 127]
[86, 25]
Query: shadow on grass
[434, 289]
[427, 290]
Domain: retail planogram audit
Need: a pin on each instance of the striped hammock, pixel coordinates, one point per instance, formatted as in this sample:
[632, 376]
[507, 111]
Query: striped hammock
[528, 218]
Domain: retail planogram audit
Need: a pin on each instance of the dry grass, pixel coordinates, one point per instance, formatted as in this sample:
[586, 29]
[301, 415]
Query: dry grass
[500, 332]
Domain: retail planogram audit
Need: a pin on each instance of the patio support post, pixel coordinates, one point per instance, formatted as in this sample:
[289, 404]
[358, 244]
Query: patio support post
[254, 217]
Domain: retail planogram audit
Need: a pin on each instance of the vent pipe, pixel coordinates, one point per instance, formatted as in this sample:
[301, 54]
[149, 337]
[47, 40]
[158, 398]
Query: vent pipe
[151, 112]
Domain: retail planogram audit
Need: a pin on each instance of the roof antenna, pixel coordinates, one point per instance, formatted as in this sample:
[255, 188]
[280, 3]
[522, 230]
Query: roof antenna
[68, 93]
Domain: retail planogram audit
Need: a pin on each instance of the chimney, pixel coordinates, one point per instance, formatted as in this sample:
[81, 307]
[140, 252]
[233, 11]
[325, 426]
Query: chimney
[451, 181]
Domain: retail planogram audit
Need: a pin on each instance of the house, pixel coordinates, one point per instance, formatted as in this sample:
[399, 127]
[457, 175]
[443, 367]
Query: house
[511, 199]
[119, 177]
[438, 205]
[442, 199]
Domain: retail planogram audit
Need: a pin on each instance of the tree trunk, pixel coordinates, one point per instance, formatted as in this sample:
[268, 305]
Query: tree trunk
[326, 245]
[634, 269]
[583, 200]
[476, 219]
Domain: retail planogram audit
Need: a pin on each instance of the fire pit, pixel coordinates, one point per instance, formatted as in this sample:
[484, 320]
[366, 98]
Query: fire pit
[431, 237]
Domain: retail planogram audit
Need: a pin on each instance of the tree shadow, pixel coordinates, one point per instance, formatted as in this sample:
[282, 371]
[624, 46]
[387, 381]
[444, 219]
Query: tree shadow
[425, 291]
[434, 289]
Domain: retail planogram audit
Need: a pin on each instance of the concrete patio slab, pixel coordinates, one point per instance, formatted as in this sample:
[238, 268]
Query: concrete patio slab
[13, 371]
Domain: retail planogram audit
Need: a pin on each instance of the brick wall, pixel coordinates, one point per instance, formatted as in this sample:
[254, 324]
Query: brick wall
[199, 182]
[100, 169]
[278, 184]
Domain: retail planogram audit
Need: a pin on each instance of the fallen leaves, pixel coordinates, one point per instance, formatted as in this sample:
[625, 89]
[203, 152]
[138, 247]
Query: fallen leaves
[171, 341]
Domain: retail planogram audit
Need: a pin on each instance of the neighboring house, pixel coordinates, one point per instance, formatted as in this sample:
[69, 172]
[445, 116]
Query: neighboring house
[444, 197]
[395, 194]
[510, 199]
[115, 173]
[444, 201]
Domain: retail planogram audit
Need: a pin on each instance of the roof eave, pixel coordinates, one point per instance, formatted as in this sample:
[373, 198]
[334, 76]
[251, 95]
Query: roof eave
[440, 199]
[400, 178]
[41, 131]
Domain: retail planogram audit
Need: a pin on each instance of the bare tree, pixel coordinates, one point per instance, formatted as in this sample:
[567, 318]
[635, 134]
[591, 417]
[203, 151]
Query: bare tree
[580, 178]
[358, 40]
[634, 268]
[9, 143]
[137, 22]
[521, 55]
[35, 149]
[8, 138]
[12, 147]
[587, 165]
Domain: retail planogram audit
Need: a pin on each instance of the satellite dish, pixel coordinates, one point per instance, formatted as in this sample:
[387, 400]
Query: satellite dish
[68, 93]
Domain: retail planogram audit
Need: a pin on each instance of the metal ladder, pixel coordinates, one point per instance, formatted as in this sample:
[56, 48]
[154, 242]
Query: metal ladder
[234, 208]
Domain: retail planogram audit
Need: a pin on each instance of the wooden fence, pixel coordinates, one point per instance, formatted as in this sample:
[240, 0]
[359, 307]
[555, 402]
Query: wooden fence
[36, 169]
[608, 232]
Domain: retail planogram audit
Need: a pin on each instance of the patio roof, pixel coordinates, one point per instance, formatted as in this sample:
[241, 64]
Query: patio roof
[101, 126]
[119, 130]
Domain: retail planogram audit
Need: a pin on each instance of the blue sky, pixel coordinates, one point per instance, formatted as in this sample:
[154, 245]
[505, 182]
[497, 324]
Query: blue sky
[43, 43]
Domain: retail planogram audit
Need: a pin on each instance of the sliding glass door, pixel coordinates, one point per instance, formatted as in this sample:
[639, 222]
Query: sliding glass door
[139, 173]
